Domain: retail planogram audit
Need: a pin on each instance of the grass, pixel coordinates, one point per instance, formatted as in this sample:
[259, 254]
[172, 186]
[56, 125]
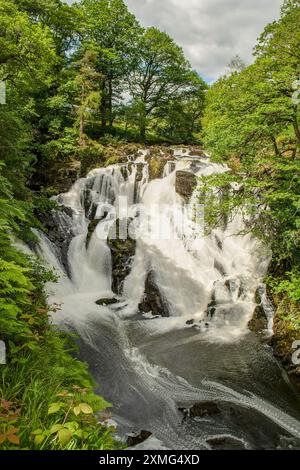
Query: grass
[48, 401]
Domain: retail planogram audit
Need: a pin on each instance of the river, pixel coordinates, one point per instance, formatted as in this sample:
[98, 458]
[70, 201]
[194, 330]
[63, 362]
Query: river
[193, 376]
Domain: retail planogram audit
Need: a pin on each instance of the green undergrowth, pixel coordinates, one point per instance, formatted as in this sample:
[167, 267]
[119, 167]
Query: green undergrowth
[48, 400]
[46, 394]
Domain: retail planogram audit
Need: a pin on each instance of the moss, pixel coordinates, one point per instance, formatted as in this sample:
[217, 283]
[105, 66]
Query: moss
[286, 331]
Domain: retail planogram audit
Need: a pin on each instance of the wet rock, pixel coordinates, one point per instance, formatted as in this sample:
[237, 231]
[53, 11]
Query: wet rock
[58, 225]
[236, 288]
[90, 208]
[91, 228]
[153, 300]
[157, 165]
[185, 183]
[202, 409]
[219, 267]
[259, 321]
[138, 178]
[136, 439]
[61, 175]
[225, 443]
[219, 243]
[122, 252]
[211, 310]
[105, 302]
[139, 172]
[264, 311]
[197, 151]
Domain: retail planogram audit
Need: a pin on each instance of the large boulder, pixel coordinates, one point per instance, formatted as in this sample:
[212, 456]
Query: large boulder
[58, 224]
[122, 252]
[259, 321]
[185, 183]
[264, 311]
[201, 409]
[153, 300]
[135, 439]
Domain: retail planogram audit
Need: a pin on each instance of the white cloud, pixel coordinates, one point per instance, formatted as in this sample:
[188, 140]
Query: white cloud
[211, 32]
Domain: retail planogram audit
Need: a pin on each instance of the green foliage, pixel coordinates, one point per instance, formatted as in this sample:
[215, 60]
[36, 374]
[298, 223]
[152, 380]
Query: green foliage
[40, 366]
[51, 407]
[289, 286]
[112, 32]
[161, 76]
[252, 123]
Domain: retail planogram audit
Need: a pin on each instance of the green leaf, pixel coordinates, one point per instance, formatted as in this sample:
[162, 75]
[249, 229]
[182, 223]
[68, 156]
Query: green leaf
[64, 436]
[86, 409]
[39, 438]
[72, 426]
[54, 429]
[37, 431]
[54, 408]
[77, 410]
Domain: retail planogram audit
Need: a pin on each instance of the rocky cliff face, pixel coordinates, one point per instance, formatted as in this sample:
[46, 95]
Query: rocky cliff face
[122, 252]
[185, 184]
[153, 301]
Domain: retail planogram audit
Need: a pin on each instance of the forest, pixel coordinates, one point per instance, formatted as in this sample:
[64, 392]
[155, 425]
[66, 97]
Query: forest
[77, 83]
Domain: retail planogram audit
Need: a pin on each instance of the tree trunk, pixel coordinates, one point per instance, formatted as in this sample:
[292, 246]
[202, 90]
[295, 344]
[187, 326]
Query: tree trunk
[110, 105]
[103, 107]
[143, 131]
[81, 130]
[81, 120]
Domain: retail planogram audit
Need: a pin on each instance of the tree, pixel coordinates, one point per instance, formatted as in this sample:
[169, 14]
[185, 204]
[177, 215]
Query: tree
[112, 31]
[27, 55]
[87, 81]
[26, 48]
[62, 19]
[278, 50]
[180, 118]
[236, 64]
[252, 122]
[162, 73]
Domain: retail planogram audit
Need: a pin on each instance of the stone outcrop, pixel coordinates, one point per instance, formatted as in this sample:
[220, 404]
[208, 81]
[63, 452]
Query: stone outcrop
[135, 439]
[157, 164]
[201, 409]
[263, 312]
[122, 252]
[60, 176]
[185, 183]
[153, 300]
[259, 321]
[58, 225]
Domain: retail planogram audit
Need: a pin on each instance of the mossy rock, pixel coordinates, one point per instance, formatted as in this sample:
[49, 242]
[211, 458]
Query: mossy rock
[157, 165]
[91, 228]
[122, 252]
[185, 184]
[136, 439]
[201, 409]
[259, 322]
[153, 301]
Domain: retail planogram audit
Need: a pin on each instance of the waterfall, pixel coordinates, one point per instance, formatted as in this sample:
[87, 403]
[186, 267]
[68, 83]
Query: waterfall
[206, 286]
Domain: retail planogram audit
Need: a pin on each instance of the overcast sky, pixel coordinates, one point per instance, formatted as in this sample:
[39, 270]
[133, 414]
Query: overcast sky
[211, 32]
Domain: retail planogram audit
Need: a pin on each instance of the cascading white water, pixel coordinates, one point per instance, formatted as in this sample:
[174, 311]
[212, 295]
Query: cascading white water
[207, 283]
